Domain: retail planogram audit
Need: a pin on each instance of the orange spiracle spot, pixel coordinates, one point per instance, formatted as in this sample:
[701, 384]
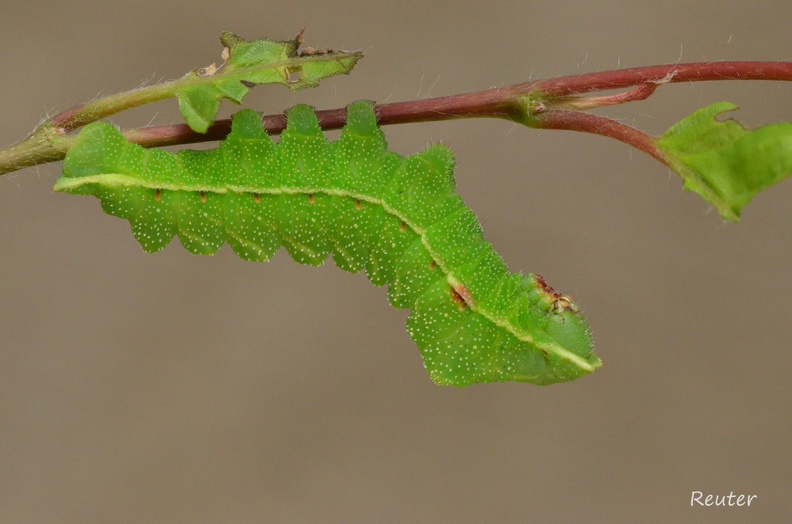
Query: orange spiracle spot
[461, 295]
[457, 299]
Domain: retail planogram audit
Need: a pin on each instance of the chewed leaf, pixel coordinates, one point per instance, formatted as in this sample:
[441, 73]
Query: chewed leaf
[249, 63]
[399, 219]
[725, 163]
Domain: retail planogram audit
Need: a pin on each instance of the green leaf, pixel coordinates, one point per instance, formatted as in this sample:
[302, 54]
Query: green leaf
[724, 162]
[255, 62]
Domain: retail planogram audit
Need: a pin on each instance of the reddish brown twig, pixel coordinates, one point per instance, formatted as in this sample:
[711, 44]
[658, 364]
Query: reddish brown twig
[549, 104]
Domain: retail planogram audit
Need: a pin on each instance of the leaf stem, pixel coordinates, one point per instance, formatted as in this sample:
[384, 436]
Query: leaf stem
[88, 112]
[600, 125]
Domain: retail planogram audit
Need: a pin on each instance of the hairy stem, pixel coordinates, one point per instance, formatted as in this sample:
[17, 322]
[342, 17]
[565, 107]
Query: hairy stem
[507, 102]
[548, 104]
[83, 114]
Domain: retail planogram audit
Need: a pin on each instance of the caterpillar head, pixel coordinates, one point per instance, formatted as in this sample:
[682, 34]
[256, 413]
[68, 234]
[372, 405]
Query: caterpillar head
[565, 323]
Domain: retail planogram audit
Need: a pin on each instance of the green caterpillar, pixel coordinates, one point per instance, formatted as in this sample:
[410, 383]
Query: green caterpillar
[398, 218]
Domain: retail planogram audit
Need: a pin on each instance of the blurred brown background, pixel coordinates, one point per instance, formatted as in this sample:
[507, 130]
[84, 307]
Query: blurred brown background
[176, 388]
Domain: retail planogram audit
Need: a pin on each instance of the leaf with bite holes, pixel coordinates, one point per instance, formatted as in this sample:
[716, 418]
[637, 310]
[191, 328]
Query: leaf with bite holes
[725, 163]
[254, 62]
